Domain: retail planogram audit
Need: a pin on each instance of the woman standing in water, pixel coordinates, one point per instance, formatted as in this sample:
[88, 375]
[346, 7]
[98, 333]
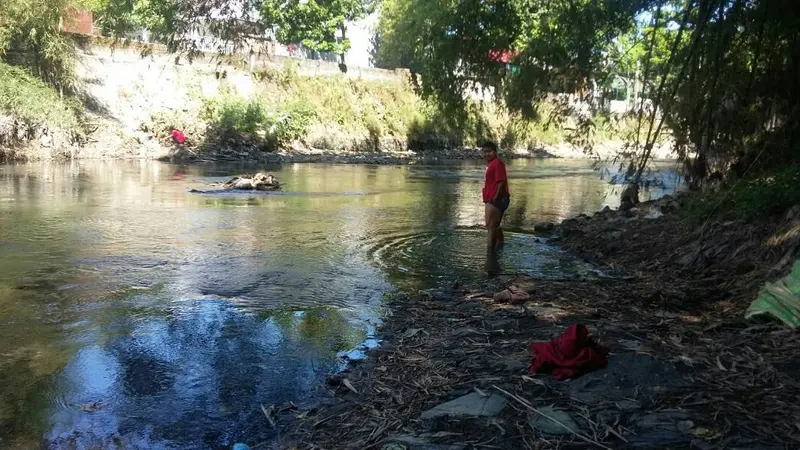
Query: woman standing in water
[496, 198]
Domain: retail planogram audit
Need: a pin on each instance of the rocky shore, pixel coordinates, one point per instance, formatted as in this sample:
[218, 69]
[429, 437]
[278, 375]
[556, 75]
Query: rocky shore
[685, 369]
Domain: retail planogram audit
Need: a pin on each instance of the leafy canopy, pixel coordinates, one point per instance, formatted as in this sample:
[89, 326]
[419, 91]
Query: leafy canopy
[314, 23]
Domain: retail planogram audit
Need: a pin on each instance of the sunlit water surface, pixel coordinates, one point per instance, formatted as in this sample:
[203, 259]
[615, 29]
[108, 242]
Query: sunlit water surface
[134, 314]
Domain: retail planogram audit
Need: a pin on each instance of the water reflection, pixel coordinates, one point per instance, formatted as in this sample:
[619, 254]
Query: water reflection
[136, 315]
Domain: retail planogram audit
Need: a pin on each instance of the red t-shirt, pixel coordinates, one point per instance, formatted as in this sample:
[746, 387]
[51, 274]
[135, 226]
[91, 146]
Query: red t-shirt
[495, 173]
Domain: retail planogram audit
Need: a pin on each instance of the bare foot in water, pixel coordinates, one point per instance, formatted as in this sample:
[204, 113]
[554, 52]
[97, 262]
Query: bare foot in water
[492, 266]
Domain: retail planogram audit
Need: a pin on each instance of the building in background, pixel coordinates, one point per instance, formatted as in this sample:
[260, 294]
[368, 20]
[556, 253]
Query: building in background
[79, 21]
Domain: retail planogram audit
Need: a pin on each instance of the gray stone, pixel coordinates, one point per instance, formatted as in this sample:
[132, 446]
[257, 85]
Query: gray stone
[502, 324]
[464, 332]
[409, 442]
[659, 429]
[628, 376]
[628, 405]
[470, 405]
[514, 365]
[557, 422]
[544, 227]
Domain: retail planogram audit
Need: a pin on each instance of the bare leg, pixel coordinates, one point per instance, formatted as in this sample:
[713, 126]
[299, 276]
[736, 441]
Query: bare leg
[492, 266]
[493, 217]
[501, 239]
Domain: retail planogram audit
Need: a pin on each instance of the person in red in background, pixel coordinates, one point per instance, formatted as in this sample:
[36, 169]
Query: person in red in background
[178, 136]
[496, 196]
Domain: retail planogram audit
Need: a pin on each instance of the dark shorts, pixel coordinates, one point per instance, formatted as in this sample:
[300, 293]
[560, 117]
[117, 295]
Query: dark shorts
[502, 204]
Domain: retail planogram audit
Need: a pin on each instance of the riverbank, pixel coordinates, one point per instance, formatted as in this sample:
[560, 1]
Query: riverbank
[685, 368]
[124, 105]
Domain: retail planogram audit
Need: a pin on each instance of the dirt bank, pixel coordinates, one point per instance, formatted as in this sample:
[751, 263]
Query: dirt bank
[126, 105]
[685, 369]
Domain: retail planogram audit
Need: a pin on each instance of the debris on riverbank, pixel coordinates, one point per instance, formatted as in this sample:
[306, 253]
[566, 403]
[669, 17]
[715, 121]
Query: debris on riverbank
[306, 155]
[685, 368]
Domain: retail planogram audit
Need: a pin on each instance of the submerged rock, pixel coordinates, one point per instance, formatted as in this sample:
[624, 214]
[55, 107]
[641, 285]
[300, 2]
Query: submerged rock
[258, 182]
[470, 405]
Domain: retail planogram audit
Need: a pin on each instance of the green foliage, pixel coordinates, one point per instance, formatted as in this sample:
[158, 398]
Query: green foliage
[232, 118]
[761, 197]
[449, 43]
[32, 101]
[121, 17]
[313, 23]
[293, 119]
[30, 36]
[723, 74]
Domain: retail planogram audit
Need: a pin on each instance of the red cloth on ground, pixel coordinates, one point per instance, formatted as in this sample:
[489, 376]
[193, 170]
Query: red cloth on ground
[571, 355]
[179, 137]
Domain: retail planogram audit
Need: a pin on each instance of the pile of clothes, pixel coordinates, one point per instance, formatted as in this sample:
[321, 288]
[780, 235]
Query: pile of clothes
[572, 354]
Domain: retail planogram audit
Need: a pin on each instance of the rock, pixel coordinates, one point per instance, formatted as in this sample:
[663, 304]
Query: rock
[654, 213]
[660, 429]
[464, 332]
[544, 227]
[470, 405]
[394, 446]
[557, 422]
[628, 405]
[630, 197]
[793, 213]
[409, 442]
[516, 366]
[628, 376]
[334, 379]
[502, 324]
[259, 182]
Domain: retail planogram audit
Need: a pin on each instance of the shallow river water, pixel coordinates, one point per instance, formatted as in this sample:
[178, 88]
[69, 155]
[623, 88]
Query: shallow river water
[134, 314]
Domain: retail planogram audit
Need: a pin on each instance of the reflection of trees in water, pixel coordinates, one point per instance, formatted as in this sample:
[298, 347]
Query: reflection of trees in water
[209, 370]
[31, 352]
[515, 217]
[123, 216]
[34, 263]
[326, 328]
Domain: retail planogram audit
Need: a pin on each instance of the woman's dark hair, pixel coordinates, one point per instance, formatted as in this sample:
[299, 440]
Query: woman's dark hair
[490, 145]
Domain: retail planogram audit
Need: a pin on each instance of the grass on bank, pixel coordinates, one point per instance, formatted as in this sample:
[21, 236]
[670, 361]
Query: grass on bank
[34, 103]
[286, 107]
[762, 196]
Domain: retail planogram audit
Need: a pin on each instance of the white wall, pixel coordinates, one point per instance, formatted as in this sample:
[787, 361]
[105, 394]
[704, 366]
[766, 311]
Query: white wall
[360, 34]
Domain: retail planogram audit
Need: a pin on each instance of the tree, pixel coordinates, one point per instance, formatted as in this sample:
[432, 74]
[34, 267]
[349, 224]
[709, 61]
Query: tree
[719, 74]
[30, 36]
[449, 43]
[312, 23]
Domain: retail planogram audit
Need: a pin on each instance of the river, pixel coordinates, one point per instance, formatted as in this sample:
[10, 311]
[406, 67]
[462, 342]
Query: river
[134, 314]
